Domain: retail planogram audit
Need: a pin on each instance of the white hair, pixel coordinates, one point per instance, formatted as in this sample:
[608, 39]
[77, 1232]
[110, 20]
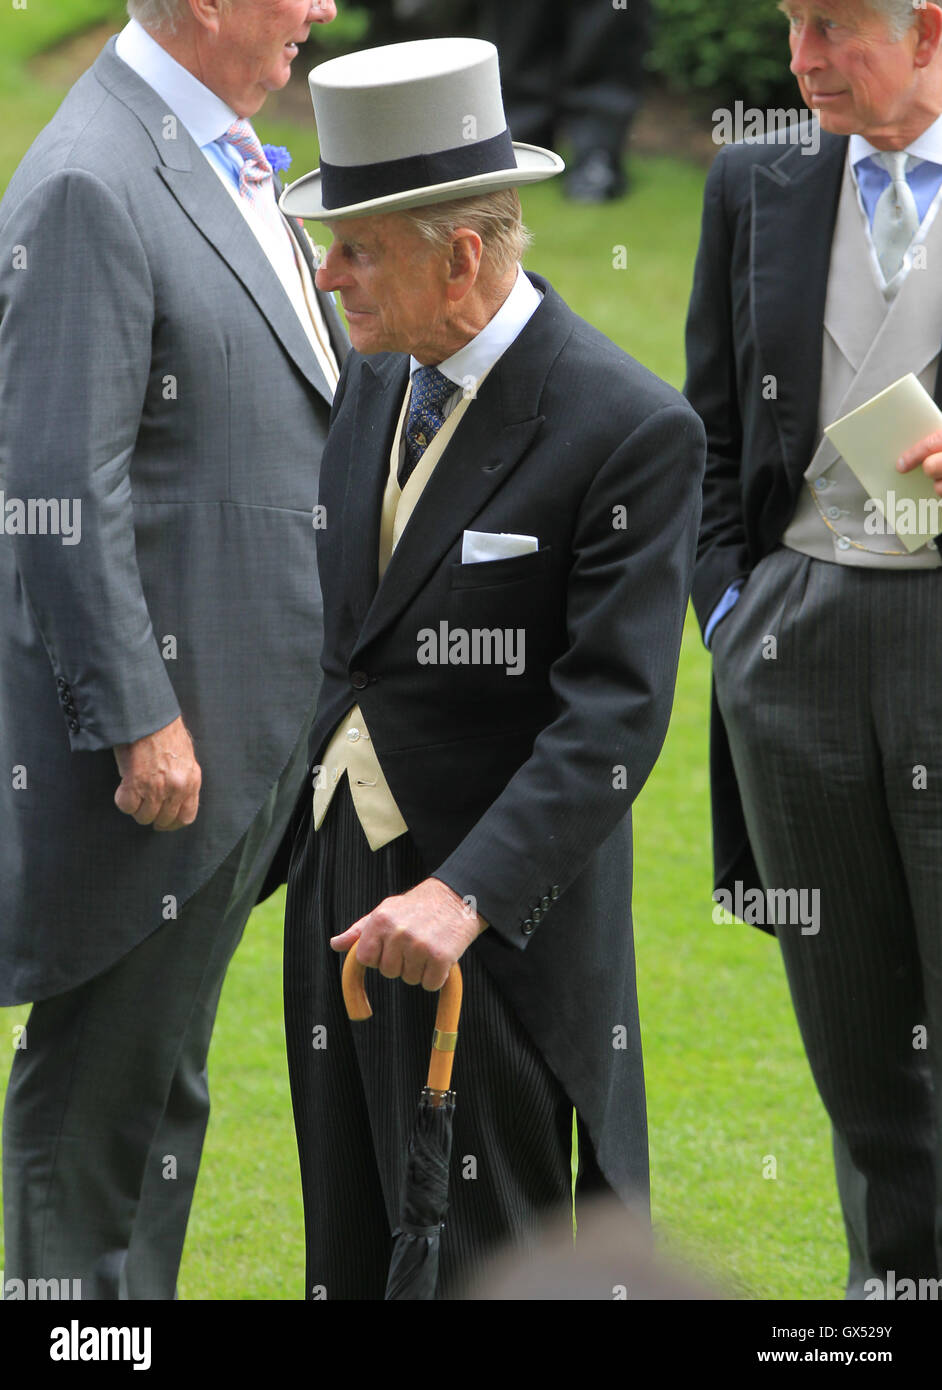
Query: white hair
[494, 216]
[159, 15]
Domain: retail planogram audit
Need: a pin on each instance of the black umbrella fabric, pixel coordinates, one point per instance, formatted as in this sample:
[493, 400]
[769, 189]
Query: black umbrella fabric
[413, 1270]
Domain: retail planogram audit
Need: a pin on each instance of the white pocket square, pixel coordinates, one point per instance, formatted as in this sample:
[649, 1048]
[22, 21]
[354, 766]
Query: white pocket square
[477, 546]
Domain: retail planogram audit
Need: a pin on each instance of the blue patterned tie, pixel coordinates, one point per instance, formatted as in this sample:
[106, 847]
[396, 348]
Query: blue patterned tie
[430, 391]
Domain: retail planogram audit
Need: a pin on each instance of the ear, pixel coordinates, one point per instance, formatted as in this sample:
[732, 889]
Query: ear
[464, 264]
[929, 30]
[207, 14]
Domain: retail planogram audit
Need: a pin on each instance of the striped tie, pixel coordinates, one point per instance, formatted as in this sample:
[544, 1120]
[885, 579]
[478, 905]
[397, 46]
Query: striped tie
[255, 177]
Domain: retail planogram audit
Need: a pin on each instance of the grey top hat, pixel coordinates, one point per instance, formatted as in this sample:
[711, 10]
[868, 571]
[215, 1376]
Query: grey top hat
[411, 124]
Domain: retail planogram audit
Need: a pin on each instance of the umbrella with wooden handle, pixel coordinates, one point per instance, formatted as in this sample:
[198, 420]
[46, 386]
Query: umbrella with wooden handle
[413, 1270]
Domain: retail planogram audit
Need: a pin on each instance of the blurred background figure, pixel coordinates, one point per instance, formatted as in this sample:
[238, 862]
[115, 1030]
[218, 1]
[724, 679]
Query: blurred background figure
[613, 1258]
[573, 74]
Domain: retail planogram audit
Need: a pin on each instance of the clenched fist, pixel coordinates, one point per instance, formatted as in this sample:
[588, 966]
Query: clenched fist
[160, 778]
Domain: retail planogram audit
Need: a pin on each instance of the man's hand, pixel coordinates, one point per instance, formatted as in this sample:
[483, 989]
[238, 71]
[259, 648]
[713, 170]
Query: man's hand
[160, 778]
[417, 936]
[928, 452]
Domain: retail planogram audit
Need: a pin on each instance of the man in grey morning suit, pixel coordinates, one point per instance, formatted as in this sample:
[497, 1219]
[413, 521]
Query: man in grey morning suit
[166, 371]
[817, 285]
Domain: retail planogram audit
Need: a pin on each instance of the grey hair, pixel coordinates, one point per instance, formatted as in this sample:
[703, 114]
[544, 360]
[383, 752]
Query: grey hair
[900, 15]
[494, 216]
[161, 15]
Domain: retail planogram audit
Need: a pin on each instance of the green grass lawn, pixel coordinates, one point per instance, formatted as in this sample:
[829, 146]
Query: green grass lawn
[728, 1087]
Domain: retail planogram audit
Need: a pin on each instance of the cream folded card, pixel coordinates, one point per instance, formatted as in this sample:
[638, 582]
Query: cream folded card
[870, 440]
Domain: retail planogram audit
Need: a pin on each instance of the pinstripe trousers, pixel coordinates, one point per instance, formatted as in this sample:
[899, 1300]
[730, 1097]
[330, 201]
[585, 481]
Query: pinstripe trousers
[355, 1086]
[828, 681]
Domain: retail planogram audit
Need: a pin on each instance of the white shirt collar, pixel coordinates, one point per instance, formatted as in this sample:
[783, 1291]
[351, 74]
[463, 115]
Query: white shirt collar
[205, 116]
[928, 145]
[480, 354]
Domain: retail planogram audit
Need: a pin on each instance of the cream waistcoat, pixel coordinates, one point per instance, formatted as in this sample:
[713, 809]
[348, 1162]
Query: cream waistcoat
[351, 749]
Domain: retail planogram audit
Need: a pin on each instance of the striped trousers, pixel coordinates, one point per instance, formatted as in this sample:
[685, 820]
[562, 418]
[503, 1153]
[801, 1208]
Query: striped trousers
[355, 1086]
[828, 680]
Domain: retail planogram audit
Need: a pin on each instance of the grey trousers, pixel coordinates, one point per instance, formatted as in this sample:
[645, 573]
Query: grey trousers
[107, 1106]
[828, 680]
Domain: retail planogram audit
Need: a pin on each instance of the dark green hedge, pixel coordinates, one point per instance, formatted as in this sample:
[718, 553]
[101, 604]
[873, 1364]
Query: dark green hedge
[727, 49]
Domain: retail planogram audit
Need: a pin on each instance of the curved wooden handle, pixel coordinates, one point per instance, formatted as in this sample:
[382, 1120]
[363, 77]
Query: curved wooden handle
[354, 994]
[446, 1018]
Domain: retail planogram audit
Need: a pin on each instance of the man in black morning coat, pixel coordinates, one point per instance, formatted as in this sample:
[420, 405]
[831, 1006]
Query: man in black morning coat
[475, 803]
[812, 294]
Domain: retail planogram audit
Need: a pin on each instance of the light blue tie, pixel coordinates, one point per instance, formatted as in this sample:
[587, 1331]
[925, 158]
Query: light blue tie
[896, 217]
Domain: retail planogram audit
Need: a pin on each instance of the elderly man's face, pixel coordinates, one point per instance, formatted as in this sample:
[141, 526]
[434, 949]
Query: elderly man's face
[256, 43]
[392, 285]
[849, 69]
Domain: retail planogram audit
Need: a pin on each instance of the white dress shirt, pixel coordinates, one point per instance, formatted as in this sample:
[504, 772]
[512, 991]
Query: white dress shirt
[470, 363]
[925, 179]
[206, 118]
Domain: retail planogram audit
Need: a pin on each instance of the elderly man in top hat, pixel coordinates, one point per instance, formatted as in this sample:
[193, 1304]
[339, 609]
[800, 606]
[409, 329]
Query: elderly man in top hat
[818, 284]
[510, 513]
[166, 372]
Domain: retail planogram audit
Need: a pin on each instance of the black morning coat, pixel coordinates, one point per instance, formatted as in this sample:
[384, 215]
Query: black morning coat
[754, 343]
[517, 788]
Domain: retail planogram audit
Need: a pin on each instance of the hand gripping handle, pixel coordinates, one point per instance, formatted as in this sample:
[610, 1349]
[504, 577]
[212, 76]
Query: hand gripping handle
[445, 1037]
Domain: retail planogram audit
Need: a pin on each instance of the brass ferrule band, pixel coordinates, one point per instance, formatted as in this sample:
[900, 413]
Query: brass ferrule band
[444, 1042]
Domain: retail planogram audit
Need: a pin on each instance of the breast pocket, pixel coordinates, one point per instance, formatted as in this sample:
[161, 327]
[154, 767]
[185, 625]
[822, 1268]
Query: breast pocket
[512, 604]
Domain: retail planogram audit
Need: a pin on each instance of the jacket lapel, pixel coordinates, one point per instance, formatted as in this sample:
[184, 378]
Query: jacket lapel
[366, 444]
[493, 437]
[202, 197]
[788, 279]
[339, 340]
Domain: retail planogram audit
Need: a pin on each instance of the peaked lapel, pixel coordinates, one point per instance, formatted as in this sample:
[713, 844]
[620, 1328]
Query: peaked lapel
[339, 339]
[366, 442]
[196, 187]
[788, 278]
[493, 437]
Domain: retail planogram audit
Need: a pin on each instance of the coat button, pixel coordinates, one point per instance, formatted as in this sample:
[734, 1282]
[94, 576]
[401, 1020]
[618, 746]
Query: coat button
[359, 680]
[528, 927]
[554, 891]
[537, 914]
[73, 725]
[544, 903]
[62, 684]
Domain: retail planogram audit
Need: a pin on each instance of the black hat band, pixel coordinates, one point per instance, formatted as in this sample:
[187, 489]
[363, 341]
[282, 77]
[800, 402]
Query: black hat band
[343, 186]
